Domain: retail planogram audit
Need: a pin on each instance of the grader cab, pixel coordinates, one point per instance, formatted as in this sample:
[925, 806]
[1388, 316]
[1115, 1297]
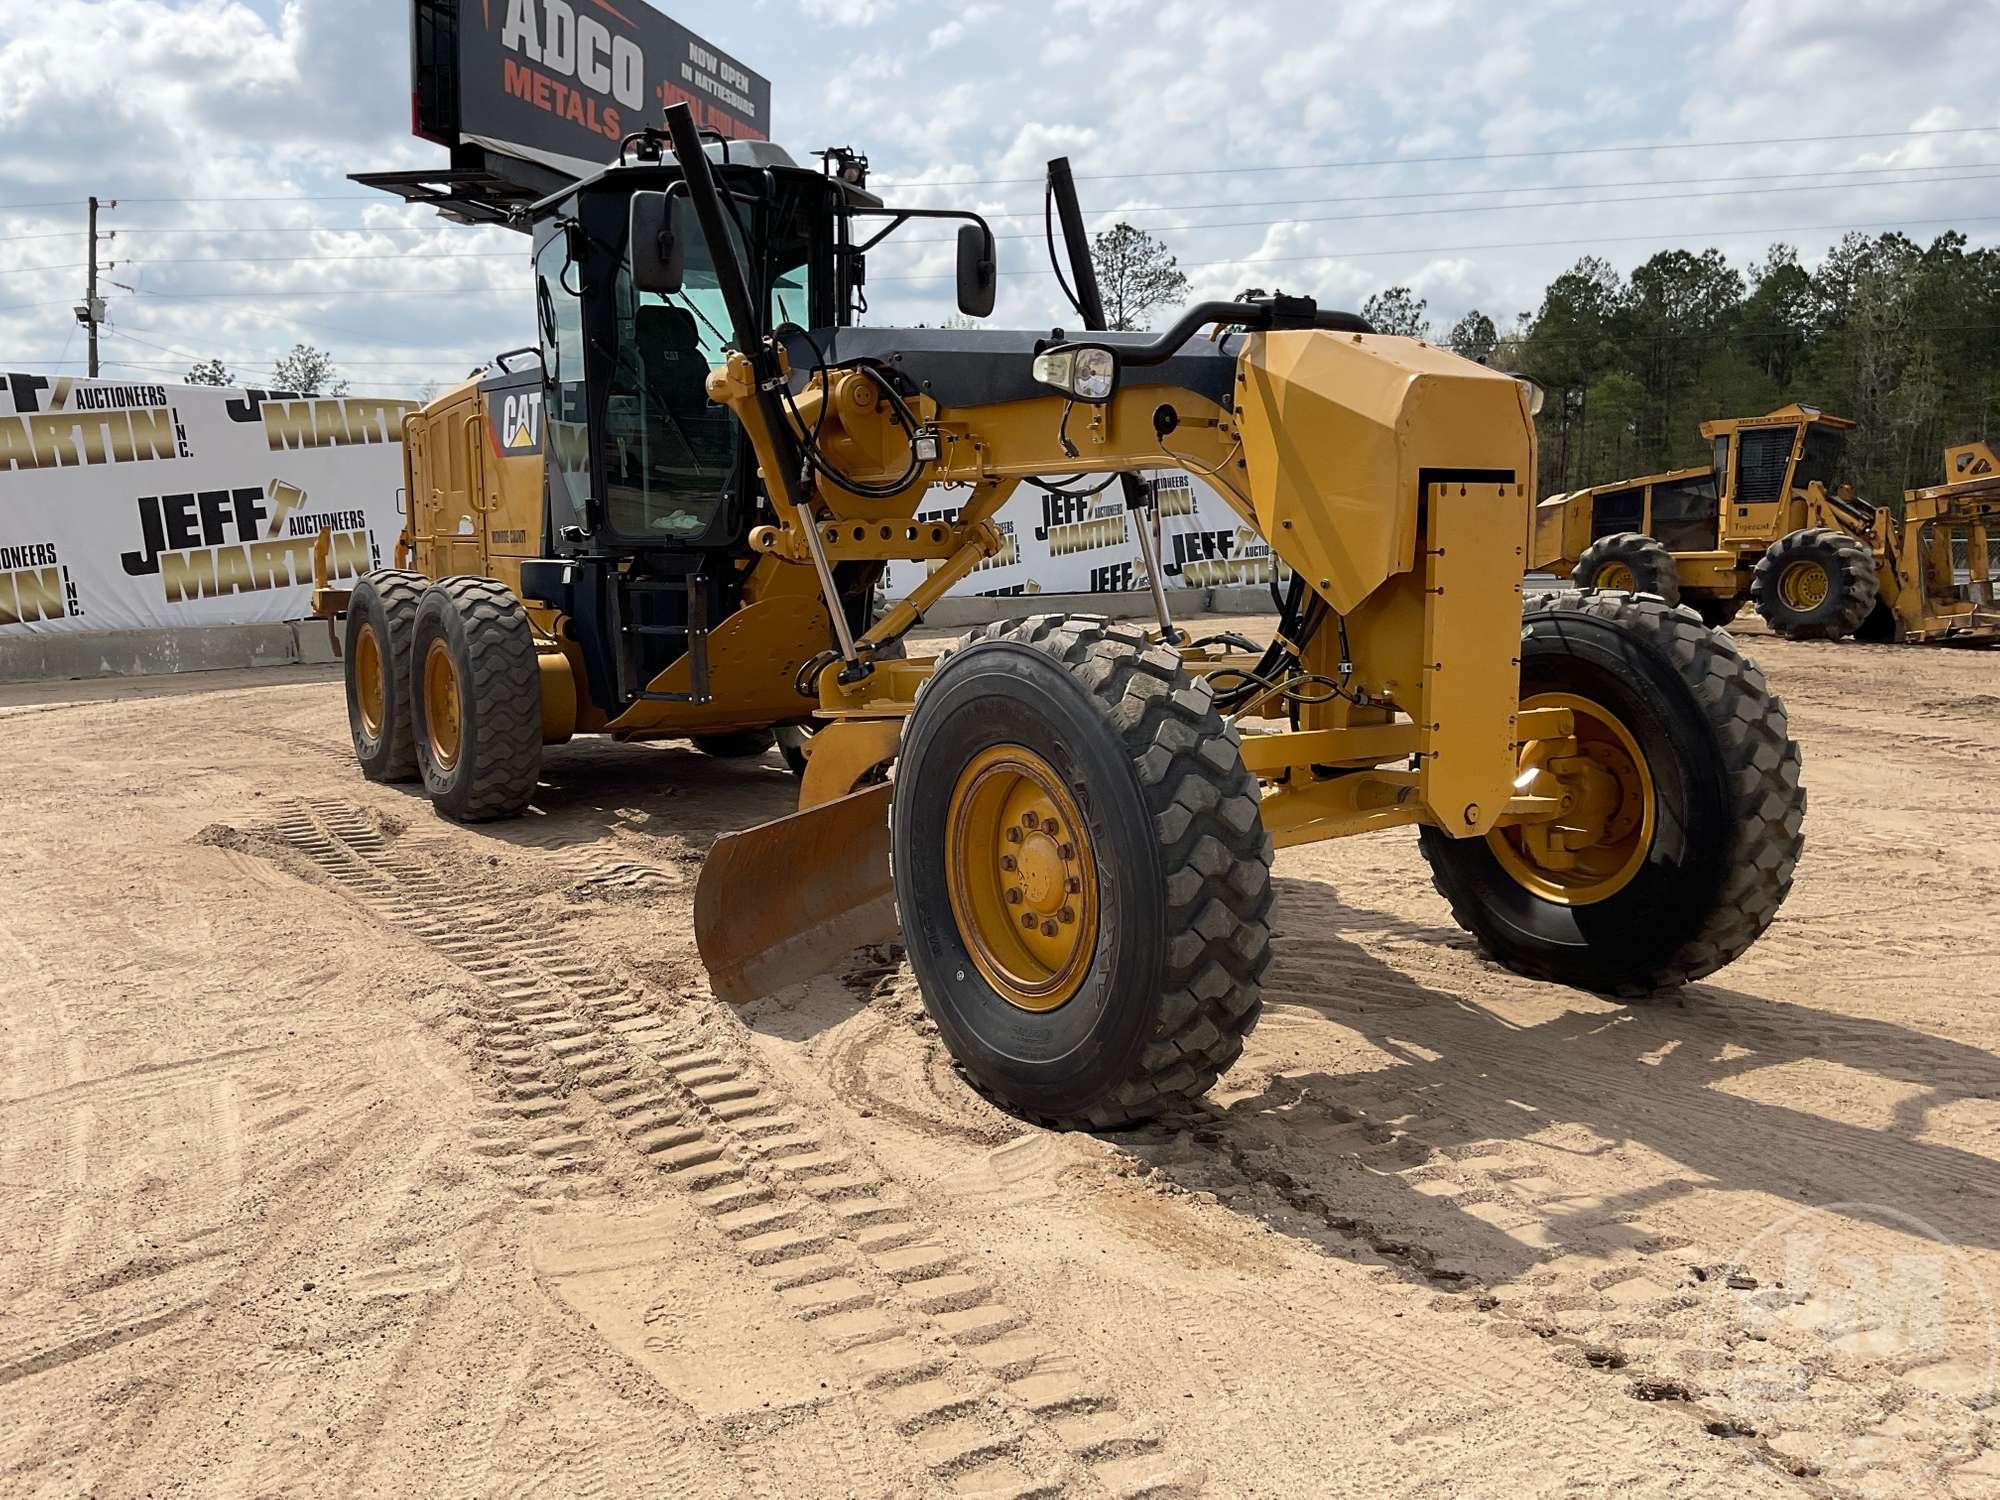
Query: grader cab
[1770, 523]
[667, 521]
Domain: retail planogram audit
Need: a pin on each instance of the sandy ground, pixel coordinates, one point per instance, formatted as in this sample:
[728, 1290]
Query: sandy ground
[349, 1152]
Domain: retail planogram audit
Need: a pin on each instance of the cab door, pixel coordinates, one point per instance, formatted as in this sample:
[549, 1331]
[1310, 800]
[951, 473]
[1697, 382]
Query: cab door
[447, 497]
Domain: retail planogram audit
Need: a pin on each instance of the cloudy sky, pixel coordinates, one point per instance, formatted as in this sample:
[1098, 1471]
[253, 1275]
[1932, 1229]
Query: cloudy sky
[1470, 150]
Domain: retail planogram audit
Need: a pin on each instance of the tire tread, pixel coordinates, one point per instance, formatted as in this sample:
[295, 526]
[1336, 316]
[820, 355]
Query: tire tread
[1214, 851]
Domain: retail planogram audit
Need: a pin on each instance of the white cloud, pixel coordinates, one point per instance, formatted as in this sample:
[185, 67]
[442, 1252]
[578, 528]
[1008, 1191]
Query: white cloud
[847, 12]
[1174, 113]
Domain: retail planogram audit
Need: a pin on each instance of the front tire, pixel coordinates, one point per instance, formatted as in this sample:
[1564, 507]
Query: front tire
[1697, 855]
[1816, 585]
[381, 622]
[477, 700]
[1100, 973]
[1630, 562]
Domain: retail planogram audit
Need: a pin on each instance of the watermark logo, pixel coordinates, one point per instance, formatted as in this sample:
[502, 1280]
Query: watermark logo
[1860, 1343]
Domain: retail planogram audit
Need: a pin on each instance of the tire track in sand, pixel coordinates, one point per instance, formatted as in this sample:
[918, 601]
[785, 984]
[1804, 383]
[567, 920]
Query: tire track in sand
[917, 1330]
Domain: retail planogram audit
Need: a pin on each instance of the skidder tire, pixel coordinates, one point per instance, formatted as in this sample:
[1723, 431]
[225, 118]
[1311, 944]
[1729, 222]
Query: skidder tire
[1629, 561]
[1081, 871]
[477, 700]
[1709, 817]
[737, 744]
[1816, 585]
[381, 621]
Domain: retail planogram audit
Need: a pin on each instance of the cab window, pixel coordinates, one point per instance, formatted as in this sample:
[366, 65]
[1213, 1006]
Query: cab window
[1762, 456]
[1821, 459]
[565, 414]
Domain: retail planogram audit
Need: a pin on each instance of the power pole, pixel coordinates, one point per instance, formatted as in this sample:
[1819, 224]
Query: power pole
[91, 313]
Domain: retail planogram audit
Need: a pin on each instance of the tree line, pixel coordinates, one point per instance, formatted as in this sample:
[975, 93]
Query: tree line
[1901, 337]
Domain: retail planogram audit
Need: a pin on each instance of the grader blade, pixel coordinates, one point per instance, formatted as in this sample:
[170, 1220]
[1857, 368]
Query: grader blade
[781, 902]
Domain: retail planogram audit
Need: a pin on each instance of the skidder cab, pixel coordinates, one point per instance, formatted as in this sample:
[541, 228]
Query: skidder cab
[1071, 821]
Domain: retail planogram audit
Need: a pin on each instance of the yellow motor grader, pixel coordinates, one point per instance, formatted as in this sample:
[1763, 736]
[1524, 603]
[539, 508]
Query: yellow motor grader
[667, 521]
[1768, 524]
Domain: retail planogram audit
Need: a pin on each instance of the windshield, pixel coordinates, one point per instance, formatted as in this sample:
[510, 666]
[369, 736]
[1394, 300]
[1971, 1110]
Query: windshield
[671, 454]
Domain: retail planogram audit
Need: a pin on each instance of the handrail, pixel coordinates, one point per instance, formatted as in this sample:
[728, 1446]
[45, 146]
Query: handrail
[1257, 316]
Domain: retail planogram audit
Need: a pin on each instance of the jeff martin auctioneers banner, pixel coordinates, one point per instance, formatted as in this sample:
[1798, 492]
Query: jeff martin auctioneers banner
[127, 506]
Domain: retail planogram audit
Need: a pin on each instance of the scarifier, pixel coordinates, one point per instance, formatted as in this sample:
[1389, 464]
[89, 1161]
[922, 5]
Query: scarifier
[668, 520]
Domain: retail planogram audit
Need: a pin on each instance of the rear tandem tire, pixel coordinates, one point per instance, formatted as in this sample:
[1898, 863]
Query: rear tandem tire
[381, 620]
[1724, 774]
[1151, 991]
[476, 695]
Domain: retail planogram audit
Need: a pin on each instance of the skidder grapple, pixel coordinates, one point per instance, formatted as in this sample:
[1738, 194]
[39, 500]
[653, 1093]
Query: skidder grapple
[668, 520]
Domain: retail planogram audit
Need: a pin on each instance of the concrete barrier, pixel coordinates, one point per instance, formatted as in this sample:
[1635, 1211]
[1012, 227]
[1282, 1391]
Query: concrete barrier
[215, 648]
[147, 653]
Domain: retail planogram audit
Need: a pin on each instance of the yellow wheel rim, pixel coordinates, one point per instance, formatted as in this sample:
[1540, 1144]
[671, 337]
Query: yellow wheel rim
[370, 684]
[1616, 575]
[1600, 841]
[1803, 586]
[1022, 877]
[441, 721]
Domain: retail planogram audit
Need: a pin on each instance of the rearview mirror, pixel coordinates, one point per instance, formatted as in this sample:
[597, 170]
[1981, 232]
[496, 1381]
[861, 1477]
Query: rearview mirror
[657, 252]
[978, 271]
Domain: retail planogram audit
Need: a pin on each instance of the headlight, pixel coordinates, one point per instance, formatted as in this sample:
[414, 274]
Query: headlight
[1536, 396]
[1085, 372]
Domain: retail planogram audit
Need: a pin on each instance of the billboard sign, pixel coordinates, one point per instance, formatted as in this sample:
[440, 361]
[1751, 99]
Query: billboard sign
[561, 82]
[129, 505]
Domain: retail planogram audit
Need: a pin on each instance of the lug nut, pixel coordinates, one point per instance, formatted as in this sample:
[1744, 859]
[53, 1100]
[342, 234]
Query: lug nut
[1027, 919]
[1066, 851]
[1073, 885]
[1028, 818]
[1007, 861]
[1013, 835]
[1013, 896]
[1053, 829]
[1048, 929]
[1067, 914]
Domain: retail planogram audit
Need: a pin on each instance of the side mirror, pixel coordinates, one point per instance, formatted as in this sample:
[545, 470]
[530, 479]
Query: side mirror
[657, 252]
[978, 270]
[1083, 372]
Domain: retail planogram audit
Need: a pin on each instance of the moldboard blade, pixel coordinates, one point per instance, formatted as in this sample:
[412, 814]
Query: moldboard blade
[781, 902]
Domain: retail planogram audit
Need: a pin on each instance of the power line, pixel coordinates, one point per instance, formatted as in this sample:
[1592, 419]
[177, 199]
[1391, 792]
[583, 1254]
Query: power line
[1219, 205]
[264, 260]
[359, 291]
[1424, 161]
[30, 270]
[1488, 208]
[1401, 213]
[1597, 239]
[254, 361]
